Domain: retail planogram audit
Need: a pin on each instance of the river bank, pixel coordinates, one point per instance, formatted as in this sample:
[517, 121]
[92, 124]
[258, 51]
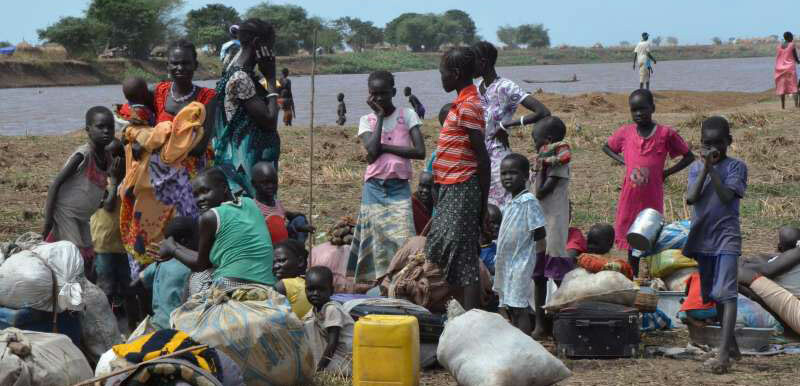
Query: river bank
[44, 72]
[764, 137]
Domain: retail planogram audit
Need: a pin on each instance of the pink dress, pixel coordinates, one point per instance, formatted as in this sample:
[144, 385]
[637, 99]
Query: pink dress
[785, 70]
[643, 186]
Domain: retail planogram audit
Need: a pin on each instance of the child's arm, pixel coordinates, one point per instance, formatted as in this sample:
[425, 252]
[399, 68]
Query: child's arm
[110, 200]
[725, 194]
[649, 55]
[614, 155]
[330, 348]
[196, 261]
[547, 187]
[696, 185]
[683, 164]
[415, 152]
[69, 170]
[372, 140]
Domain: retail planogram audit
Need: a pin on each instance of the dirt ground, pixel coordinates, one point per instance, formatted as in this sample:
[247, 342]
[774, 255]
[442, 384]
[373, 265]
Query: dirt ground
[764, 137]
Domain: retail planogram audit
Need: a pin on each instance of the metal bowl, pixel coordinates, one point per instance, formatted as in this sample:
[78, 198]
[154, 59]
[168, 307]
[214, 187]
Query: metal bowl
[644, 231]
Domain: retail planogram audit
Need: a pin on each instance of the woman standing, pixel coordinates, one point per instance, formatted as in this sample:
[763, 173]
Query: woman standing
[164, 190]
[247, 125]
[786, 70]
[500, 98]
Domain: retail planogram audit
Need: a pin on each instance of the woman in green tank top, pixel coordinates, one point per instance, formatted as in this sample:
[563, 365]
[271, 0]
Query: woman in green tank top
[234, 239]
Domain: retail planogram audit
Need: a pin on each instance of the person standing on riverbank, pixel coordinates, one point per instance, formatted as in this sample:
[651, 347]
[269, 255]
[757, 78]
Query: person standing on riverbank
[246, 128]
[641, 60]
[414, 102]
[499, 98]
[165, 191]
[786, 70]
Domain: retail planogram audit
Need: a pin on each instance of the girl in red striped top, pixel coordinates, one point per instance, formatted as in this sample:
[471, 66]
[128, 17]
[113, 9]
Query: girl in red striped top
[461, 171]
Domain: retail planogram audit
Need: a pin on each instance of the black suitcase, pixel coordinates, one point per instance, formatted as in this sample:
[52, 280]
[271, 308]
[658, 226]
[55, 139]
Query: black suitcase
[431, 325]
[597, 330]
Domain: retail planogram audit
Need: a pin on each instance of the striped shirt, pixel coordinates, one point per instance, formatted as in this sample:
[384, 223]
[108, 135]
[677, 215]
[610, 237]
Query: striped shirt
[455, 160]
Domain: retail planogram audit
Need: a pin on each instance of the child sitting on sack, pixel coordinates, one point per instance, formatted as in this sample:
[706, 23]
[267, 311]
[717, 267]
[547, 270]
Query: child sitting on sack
[598, 247]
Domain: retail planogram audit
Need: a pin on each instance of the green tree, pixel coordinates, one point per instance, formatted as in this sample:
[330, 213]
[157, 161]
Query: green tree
[137, 25]
[391, 31]
[657, 41]
[671, 40]
[359, 34]
[507, 35]
[717, 41]
[329, 36]
[533, 35]
[291, 23]
[80, 36]
[5, 44]
[209, 25]
[464, 27]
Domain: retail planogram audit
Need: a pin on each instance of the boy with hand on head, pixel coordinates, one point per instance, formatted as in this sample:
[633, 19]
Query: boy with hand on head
[289, 267]
[551, 185]
[78, 189]
[643, 148]
[716, 185]
[341, 110]
[281, 223]
[414, 102]
[392, 138]
[523, 225]
[327, 324]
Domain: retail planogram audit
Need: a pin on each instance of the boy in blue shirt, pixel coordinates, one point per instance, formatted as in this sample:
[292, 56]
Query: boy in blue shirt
[716, 185]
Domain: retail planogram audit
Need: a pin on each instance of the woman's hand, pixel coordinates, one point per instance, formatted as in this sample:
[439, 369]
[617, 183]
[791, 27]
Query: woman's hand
[265, 59]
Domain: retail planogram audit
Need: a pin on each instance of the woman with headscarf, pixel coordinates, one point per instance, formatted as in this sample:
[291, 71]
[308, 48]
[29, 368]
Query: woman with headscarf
[246, 122]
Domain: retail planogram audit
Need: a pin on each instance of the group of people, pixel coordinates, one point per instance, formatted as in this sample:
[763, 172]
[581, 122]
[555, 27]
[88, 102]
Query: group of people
[173, 222]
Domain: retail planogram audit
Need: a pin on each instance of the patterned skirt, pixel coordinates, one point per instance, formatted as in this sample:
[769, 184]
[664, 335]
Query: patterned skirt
[453, 242]
[385, 222]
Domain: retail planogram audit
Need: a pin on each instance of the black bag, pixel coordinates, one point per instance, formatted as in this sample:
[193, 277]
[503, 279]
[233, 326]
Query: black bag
[597, 330]
[431, 326]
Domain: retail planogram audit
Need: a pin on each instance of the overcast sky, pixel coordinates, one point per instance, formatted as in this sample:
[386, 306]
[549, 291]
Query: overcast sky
[576, 22]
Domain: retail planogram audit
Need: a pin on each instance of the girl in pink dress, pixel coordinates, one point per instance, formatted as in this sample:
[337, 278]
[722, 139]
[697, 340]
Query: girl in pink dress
[786, 70]
[643, 148]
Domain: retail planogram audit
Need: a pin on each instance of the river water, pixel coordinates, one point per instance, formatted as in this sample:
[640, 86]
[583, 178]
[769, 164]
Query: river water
[56, 110]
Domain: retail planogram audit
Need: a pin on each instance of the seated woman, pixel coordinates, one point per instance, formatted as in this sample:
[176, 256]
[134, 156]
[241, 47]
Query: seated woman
[233, 238]
[782, 273]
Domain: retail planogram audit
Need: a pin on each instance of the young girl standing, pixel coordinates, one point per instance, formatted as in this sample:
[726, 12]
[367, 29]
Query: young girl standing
[461, 170]
[77, 191]
[392, 139]
[644, 147]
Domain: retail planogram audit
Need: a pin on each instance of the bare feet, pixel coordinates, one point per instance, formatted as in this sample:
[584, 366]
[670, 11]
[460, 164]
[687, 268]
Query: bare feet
[718, 365]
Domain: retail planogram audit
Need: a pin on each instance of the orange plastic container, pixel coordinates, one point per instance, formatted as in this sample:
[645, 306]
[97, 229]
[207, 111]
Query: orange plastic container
[386, 351]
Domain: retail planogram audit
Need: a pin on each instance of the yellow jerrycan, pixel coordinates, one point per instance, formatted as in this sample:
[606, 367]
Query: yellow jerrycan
[386, 351]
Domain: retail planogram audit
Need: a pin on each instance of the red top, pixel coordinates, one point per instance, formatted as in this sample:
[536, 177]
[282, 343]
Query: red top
[204, 95]
[694, 300]
[576, 241]
[455, 160]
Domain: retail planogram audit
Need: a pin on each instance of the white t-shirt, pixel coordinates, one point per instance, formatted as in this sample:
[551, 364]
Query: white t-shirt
[409, 115]
[641, 50]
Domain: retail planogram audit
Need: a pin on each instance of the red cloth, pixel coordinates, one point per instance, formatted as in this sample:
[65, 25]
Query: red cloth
[694, 299]
[455, 161]
[596, 263]
[204, 95]
[576, 241]
[421, 214]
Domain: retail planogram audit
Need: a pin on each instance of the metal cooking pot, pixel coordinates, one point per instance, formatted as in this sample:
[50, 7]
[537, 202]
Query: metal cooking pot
[644, 231]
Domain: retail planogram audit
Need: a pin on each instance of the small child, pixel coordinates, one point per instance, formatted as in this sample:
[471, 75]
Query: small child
[694, 311]
[392, 138]
[597, 257]
[289, 224]
[289, 266]
[489, 239]
[341, 111]
[166, 280]
[716, 185]
[645, 146]
[522, 226]
[287, 106]
[414, 102]
[328, 325]
[551, 185]
[78, 189]
[422, 202]
[139, 109]
[111, 262]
